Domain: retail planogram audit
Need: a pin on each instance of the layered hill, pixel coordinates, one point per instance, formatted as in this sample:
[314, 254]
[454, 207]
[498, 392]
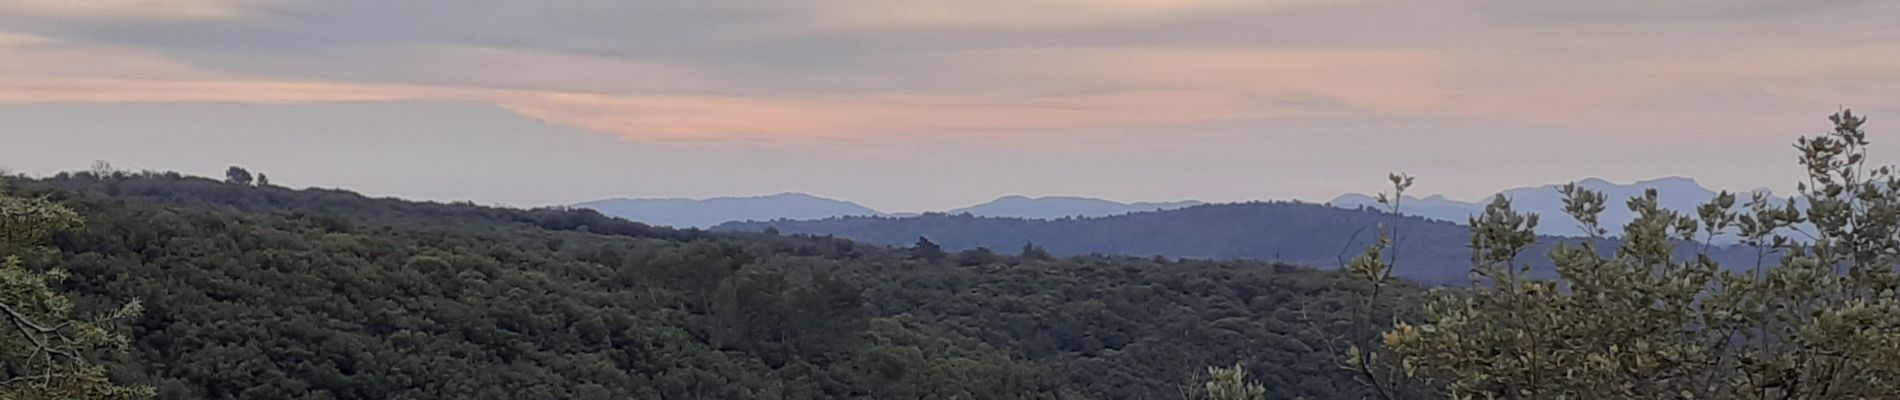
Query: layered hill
[1673, 193]
[1055, 207]
[274, 293]
[1432, 251]
[702, 213]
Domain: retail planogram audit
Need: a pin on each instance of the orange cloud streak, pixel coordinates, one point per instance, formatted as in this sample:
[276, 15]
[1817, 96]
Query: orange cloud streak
[885, 114]
[1039, 89]
[80, 74]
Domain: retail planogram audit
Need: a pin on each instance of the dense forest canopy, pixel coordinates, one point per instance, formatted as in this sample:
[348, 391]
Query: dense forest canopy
[264, 292]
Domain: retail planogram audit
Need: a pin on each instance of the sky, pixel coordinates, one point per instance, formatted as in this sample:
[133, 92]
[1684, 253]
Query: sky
[930, 105]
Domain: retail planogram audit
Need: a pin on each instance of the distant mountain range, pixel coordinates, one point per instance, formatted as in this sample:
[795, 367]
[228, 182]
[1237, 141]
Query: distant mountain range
[1055, 207]
[703, 213]
[1674, 193]
[1678, 194]
[1431, 251]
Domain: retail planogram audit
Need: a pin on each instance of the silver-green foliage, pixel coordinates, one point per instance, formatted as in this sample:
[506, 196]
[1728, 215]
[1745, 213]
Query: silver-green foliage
[1232, 384]
[1225, 383]
[44, 347]
[1642, 323]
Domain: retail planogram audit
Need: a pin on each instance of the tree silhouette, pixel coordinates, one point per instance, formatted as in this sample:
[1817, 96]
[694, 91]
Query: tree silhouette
[926, 250]
[237, 175]
[1033, 252]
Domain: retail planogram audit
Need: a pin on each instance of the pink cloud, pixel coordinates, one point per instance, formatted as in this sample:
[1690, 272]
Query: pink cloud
[1034, 15]
[149, 91]
[131, 9]
[873, 115]
[1382, 79]
[543, 88]
[1631, 88]
[1040, 90]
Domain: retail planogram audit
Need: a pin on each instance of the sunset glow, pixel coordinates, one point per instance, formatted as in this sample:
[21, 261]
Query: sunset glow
[1053, 73]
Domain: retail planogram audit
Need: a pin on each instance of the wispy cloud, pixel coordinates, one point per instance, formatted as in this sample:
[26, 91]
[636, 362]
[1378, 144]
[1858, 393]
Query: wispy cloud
[1026, 15]
[94, 74]
[878, 114]
[131, 9]
[836, 69]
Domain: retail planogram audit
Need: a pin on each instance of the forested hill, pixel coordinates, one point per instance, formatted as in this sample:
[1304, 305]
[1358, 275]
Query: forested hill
[271, 293]
[1431, 251]
[339, 206]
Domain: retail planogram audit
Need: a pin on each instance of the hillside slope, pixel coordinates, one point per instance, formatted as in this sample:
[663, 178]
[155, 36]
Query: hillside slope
[272, 293]
[1431, 251]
